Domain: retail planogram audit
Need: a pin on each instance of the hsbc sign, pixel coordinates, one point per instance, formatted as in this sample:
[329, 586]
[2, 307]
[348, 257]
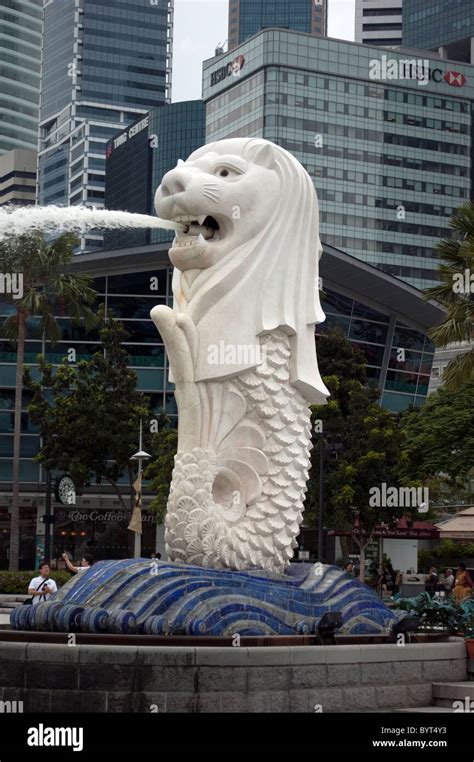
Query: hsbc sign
[417, 69]
[232, 69]
[454, 78]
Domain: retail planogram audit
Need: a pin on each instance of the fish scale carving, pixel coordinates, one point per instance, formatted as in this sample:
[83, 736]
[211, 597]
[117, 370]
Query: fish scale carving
[197, 528]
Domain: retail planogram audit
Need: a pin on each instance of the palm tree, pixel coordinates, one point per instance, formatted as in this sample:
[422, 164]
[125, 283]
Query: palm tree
[456, 272]
[46, 282]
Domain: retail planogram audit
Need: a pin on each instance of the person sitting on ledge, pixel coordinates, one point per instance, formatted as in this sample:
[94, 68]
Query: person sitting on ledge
[86, 563]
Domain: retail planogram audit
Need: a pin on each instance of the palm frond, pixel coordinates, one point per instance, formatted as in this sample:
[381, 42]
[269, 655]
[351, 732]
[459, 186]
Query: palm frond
[460, 370]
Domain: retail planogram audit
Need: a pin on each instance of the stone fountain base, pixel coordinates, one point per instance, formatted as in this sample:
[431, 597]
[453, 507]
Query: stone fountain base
[164, 598]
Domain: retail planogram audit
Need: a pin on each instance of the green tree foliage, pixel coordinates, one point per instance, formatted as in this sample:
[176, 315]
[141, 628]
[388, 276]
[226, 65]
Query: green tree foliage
[47, 285]
[370, 446]
[457, 265]
[163, 446]
[439, 438]
[91, 424]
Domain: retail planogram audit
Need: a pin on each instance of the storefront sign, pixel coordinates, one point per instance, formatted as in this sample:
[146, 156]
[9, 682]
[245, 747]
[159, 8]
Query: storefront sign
[77, 516]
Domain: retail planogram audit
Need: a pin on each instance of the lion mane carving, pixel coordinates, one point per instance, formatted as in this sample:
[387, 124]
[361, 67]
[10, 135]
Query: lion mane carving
[240, 340]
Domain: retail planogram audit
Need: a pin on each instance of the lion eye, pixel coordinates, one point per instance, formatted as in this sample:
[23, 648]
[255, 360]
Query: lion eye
[221, 170]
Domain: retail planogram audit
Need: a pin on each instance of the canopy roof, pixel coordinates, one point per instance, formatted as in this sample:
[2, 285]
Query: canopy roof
[459, 527]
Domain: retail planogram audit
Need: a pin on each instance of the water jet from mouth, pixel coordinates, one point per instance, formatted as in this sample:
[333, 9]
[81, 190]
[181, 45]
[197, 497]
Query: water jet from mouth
[16, 221]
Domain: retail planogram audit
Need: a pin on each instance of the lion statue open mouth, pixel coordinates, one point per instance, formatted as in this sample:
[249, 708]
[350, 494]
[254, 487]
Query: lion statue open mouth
[240, 339]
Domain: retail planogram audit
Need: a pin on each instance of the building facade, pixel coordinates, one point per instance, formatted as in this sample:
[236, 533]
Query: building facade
[385, 318]
[247, 17]
[390, 157]
[101, 70]
[20, 62]
[18, 177]
[446, 26]
[138, 158]
[379, 22]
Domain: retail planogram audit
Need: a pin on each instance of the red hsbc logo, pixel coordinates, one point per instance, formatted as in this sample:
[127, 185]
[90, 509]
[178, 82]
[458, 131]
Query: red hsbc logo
[455, 78]
[233, 69]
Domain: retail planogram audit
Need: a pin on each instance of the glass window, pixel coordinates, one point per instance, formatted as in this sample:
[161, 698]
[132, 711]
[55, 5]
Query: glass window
[397, 403]
[365, 331]
[146, 283]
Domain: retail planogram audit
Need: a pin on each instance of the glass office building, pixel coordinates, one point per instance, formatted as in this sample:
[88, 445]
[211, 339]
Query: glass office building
[390, 158]
[247, 17]
[446, 26]
[101, 71]
[379, 314]
[129, 296]
[20, 61]
[139, 157]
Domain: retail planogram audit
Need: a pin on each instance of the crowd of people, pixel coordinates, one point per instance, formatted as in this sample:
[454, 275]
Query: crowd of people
[389, 580]
[459, 585]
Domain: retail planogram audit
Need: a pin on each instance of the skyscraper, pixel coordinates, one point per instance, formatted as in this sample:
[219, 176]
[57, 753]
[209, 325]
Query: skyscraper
[247, 17]
[18, 177]
[378, 22]
[20, 61]
[140, 156]
[445, 26]
[390, 158]
[102, 68]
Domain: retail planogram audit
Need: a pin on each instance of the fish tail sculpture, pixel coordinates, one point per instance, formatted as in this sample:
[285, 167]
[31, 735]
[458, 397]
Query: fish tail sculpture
[240, 339]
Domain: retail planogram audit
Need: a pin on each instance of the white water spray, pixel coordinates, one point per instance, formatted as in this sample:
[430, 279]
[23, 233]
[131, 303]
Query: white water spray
[20, 220]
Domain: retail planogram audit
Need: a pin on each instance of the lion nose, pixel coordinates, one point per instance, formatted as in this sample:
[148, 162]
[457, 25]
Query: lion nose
[175, 181]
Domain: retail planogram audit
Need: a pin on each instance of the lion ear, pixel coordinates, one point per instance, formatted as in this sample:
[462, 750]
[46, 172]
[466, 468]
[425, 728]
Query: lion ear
[264, 156]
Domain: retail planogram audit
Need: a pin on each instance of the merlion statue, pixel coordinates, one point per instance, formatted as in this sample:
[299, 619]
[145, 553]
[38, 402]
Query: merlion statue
[241, 345]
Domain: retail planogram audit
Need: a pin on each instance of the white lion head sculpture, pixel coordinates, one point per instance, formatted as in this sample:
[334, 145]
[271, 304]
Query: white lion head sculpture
[248, 262]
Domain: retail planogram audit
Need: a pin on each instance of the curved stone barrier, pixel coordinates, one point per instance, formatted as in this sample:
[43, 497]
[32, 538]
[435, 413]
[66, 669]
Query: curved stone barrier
[91, 678]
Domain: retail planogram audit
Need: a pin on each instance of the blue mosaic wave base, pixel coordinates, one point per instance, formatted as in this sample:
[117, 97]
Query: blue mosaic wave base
[140, 596]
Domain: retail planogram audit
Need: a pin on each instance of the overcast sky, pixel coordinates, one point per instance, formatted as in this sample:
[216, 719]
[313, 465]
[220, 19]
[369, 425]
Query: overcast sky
[199, 25]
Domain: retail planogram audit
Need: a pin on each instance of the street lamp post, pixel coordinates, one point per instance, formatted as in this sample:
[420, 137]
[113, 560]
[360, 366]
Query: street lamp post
[139, 457]
[47, 516]
[48, 520]
[321, 499]
[332, 445]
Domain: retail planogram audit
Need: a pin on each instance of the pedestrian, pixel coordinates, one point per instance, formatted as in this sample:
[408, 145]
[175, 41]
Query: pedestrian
[349, 568]
[387, 578]
[462, 584]
[156, 556]
[449, 580]
[432, 581]
[86, 563]
[41, 588]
